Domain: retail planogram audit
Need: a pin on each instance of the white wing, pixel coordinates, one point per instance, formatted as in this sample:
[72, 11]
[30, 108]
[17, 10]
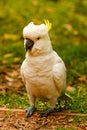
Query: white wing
[23, 78]
[22, 73]
[59, 74]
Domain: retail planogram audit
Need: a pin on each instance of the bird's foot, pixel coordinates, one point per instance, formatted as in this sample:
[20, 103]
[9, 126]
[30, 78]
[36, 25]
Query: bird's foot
[30, 111]
[50, 110]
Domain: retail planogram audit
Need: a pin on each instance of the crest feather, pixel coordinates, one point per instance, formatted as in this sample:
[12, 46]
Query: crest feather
[48, 24]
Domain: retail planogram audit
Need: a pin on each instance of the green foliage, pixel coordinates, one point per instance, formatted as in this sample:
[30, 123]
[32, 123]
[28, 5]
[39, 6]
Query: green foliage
[13, 100]
[78, 103]
[62, 128]
[79, 119]
[68, 36]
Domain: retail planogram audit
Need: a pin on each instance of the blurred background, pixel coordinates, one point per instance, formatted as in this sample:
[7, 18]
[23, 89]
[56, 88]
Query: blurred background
[69, 40]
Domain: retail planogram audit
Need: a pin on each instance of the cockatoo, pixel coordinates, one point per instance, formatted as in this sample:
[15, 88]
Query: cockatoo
[43, 71]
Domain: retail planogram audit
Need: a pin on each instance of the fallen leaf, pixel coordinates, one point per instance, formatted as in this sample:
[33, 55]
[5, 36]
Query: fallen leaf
[10, 36]
[8, 55]
[9, 78]
[13, 73]
[70, 120]
[16, 59]
[68, 27]
[1, 119]
[50, 9]
[75, 32]
[83, 78]
[70, 89]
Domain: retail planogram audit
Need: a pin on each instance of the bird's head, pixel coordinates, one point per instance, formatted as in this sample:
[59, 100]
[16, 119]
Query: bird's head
[36, 39]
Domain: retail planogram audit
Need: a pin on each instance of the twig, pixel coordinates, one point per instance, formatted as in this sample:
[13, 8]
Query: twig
[70, 114]
[41, 125]
[56, 113]
[12, 110]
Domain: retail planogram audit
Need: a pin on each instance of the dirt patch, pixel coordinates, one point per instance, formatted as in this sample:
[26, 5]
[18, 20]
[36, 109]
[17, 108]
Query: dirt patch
[10, 79]
[16, 120]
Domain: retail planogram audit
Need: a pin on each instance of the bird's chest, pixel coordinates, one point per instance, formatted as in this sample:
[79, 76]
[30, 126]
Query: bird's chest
[40, 82]
[39, 71]
[39, 78]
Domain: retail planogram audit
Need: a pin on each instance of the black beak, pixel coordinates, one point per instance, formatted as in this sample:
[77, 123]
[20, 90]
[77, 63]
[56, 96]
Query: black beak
[28, 44]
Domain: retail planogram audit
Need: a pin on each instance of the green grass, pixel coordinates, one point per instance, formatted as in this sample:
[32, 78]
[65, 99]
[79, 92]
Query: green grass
[68, 36]
[62, 128]
[12, 100]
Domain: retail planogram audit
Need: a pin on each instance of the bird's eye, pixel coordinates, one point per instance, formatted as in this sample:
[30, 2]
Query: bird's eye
[38, 38]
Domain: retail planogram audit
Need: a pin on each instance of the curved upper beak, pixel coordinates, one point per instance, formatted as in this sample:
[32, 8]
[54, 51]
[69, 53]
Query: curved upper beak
[28, 44]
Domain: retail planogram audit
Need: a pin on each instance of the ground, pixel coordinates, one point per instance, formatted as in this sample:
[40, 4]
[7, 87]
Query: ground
[69, 40]
[15, 119]
[12, 89]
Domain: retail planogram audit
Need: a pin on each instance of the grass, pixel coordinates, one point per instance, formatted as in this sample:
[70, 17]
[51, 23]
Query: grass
[68, 36]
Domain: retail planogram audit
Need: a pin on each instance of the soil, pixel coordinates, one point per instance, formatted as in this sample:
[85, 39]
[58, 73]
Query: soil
[15, 119]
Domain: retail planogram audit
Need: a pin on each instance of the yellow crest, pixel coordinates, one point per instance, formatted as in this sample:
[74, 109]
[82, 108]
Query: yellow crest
[48, 24]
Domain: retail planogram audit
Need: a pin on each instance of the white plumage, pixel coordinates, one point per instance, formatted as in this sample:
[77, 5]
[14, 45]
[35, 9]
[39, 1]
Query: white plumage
[43, 71]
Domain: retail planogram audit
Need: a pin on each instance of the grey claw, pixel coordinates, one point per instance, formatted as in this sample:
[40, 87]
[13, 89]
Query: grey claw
[50, 110]
[30, 111]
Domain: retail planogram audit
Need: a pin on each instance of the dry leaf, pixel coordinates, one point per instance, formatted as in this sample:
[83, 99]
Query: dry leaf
[9, 78]
[83, 78]
[70, 120]
[16, 59]
[70, 89]
[50, 9]
[75, 32]
[10, 36]
[13, 73]
[68, 26]
[8, 55]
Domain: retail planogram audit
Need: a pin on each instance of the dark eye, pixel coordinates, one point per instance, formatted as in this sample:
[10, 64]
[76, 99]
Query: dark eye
[38, 38]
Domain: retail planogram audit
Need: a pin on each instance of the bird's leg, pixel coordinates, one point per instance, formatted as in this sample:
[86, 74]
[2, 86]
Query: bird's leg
[65, 97]
[51, 109]
[31, 109]
[59, 104]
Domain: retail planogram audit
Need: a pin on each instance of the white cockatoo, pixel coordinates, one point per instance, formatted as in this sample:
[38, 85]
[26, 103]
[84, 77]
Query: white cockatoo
[43, 71]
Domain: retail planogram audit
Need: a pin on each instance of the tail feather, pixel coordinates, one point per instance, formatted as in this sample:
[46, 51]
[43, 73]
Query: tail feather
[65, 97]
